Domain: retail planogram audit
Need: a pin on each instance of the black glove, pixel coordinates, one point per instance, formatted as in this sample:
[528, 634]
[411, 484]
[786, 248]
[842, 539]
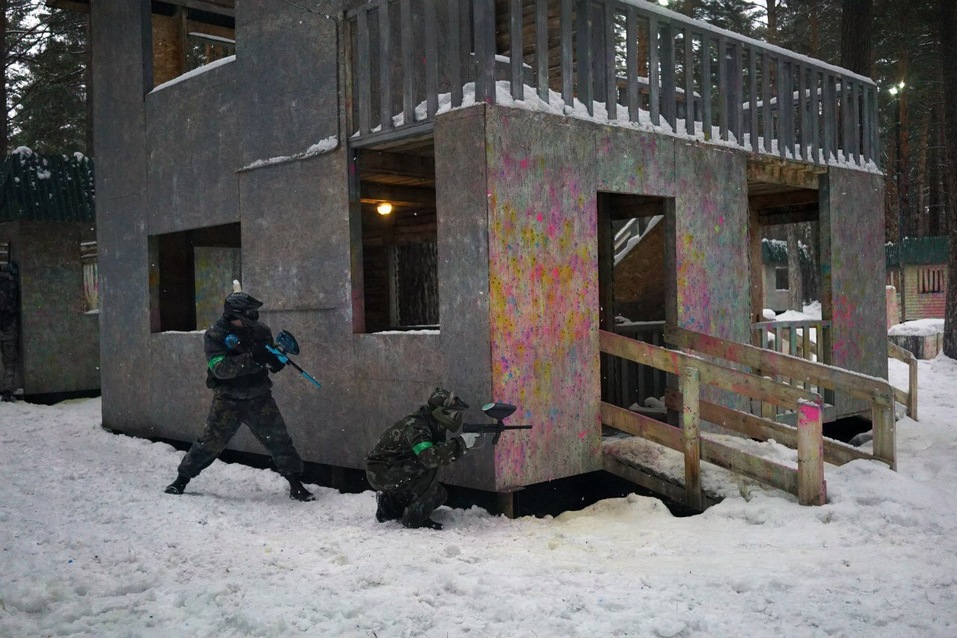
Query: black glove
[461, 446]
[264, 357]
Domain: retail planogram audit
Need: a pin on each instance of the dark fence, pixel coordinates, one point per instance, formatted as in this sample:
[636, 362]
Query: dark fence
[626, 61]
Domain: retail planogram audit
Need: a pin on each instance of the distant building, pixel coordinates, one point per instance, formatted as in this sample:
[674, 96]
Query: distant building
[917, 268]
[48, 226]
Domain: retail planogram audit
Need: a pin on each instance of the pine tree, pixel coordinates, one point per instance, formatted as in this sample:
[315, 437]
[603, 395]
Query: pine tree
[52, 112]
[947, 16]
[44, 77]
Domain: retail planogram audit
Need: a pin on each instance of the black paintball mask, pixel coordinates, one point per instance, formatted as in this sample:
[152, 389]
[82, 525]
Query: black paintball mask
[242, 306]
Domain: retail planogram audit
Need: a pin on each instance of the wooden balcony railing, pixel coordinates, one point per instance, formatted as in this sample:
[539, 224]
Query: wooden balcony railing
[622, 61]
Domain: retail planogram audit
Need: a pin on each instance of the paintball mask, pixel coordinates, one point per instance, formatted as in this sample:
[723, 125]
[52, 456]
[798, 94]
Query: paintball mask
[447, 408]
[242, 306]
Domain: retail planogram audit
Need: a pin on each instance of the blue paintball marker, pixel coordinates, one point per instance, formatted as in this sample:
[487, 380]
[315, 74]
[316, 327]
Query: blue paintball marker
[286, 345]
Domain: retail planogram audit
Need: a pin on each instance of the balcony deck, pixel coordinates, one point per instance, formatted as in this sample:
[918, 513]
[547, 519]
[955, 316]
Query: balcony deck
[620, 62]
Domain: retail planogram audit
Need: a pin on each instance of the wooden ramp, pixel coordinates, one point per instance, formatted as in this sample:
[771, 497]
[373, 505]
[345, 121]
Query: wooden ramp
[748, 373]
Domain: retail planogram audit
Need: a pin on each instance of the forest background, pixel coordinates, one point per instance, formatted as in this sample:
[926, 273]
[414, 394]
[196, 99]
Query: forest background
[908, 47]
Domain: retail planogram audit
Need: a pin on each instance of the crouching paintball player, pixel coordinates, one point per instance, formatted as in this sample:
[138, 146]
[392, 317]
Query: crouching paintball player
[403, 467]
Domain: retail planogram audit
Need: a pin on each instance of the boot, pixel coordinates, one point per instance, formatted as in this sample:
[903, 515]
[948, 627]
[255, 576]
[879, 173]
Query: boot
[383, 511]
[177, 486]
[297, 491]
[426, 524]
[430, 524]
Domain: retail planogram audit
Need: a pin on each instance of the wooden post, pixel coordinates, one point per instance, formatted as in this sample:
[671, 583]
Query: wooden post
[882, 419]
[810, 448]
[691, 435]
[506, 504]
[912, 388]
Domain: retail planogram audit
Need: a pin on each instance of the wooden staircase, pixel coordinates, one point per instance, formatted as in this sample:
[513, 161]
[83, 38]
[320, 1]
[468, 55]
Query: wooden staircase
[738, 374]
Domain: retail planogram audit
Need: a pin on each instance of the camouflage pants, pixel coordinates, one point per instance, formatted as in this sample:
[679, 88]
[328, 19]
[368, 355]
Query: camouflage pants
[9, 354]
[411, 500]
[225, 416]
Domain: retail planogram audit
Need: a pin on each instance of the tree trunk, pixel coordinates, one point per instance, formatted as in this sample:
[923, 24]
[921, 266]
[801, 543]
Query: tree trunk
[794, 270]
[856, 35]
[5, 120]
[948, 59]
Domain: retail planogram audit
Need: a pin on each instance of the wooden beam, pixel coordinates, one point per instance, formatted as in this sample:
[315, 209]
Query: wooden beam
[789, 215]
[691, 434]
[787, 198]
[629, 206]
[773, 170]
[712, 374]
[641, 426]
[856, 385]
[81, 6]
[219, 7]
[370, 192]
[811, 486]
[377, 162]
[762, 429]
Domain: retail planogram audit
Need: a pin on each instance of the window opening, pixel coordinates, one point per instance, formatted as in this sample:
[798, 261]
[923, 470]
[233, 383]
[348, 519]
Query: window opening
[781, 279]
[930, 281]
[91, 283]
[633, 293]
[399, 240]
[191, 272]
[185, 39]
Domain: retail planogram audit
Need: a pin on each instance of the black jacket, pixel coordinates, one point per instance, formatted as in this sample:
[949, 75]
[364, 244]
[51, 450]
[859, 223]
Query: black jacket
[231, 371]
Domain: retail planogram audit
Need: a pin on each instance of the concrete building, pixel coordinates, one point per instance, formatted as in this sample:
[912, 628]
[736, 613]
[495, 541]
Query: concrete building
[48, 227]
[505, 164]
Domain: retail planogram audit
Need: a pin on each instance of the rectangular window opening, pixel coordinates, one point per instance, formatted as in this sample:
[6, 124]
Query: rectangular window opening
[191, 272]
[399, 240]
[930, 281]
[185, 39]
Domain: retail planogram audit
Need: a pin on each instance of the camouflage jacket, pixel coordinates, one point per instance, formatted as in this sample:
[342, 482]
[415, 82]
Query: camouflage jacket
[231, 371]
[416, 441]
[9, 298]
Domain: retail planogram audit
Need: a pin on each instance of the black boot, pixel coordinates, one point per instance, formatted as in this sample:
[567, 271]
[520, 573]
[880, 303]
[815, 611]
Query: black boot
[426, 524]
[297, 491]
[177, 486]
[384, 510]
[430, 524]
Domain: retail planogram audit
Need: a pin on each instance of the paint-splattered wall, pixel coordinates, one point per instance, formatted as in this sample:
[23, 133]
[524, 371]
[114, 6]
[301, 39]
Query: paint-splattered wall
[852, 234]
[543, 293]
[544, 178]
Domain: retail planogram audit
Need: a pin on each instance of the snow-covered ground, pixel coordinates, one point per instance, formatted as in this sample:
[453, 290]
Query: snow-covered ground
[91, 546]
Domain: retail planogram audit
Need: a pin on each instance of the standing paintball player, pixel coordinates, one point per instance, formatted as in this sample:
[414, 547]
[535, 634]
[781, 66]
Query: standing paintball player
[238, 370]
[403, 467]
[9, 328]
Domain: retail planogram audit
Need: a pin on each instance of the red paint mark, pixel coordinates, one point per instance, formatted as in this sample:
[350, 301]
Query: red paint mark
[540, 217]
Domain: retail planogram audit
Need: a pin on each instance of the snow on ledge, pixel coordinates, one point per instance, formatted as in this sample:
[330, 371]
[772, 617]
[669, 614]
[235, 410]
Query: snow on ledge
[197, 71]
[330, 143]
[918, 328]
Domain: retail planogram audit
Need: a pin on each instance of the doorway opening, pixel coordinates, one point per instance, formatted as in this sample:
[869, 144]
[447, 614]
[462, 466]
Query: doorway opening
[634, 288]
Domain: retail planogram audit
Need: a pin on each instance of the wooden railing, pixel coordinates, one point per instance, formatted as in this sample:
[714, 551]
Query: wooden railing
[633, 383]
[806, 374]
[617, 60]
[806, 481]
[908, 398]
[808, 339]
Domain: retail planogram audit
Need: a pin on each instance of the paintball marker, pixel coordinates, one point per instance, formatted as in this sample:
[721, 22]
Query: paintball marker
[286, 345]
[499, 412]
